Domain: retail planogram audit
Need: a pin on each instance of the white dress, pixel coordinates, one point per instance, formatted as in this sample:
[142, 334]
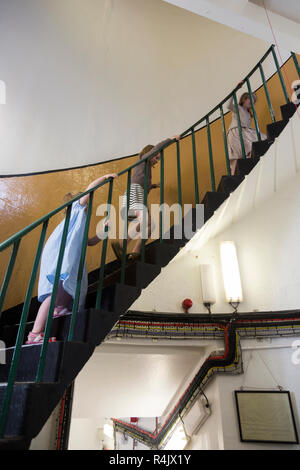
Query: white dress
[233, 135]
[70, 263]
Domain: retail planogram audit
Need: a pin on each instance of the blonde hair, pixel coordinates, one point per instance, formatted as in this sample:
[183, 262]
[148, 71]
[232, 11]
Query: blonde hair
[68, 197]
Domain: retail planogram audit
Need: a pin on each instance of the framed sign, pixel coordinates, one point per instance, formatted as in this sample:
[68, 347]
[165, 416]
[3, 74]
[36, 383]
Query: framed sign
[266, 416]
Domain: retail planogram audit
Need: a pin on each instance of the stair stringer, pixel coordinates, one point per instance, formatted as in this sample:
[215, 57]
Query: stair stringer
[259, 188]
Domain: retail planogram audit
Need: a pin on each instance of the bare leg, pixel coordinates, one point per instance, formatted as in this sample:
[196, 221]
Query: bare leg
[62, 299]
[233, 166]
[138, 246]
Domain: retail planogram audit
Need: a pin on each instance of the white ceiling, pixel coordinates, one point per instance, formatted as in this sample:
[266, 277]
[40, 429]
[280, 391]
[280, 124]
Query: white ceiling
[289, 9]
[249, 16]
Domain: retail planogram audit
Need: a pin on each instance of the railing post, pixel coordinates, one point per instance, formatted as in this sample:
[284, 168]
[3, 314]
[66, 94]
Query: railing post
[81, 267]
[8, 273]
[104, 250]
[126, 226]
[239, 125]
[280, 75]
[20, 335]
[195, 167]
[145, 211]
[211, 160]
[267, 93]
[296, 63]
[225, 141]
[253, 110]
[179, 174]
[162, 196]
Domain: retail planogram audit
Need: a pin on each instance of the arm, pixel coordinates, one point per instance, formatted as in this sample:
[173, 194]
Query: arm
[99, 236]
[159, 146]
[230, 104]
[84, 199]
[93, 241]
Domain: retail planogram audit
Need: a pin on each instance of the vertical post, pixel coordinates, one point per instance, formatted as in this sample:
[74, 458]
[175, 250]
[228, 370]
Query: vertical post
[239, 125]
[211, 160]
[126, 228]
[81, 267]
[104, 250]
[296, 63]
[267, 93]
[179, 174]
[145, 214]
[280, 75]
[162, 196]
[20, 335]
[225, 141]
[42, 360]
[253, 110]
[195, 167]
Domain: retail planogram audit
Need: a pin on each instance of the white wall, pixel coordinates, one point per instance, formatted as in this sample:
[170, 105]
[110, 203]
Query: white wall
[262, 217]
[267, 364]
[90, 81]
[120, 381]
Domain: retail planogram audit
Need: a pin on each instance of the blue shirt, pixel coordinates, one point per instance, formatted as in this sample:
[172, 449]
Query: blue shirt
[71, 259]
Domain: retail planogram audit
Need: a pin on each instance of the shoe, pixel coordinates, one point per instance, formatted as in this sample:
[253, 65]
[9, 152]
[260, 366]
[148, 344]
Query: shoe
[60, 312]
[35, 338]
[134, 256]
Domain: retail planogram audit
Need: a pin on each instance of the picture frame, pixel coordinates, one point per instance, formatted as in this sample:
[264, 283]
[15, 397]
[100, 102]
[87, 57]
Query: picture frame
[266, 416]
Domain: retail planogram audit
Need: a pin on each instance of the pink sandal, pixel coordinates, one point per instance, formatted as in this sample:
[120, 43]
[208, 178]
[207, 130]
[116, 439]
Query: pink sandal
[35, 338]
[60, 312]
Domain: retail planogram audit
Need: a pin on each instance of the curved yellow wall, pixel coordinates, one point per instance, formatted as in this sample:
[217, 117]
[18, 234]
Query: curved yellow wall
[25, 199]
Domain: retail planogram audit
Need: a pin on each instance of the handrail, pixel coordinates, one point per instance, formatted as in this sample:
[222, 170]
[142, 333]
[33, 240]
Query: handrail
[15, 239]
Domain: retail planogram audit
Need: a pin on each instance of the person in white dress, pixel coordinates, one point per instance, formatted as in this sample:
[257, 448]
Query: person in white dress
[249, 134]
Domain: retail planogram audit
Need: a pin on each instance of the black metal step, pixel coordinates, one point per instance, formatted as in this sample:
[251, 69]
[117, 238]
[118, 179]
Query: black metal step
[33, 402]
[245, 165]
[211, 201]
[141, 274]
[275, 128]
[116, 298]
[160, 254]
[15, 443]
[288, 110]
[259, 148]
[29, 359]
[229, 183]
[31, 406]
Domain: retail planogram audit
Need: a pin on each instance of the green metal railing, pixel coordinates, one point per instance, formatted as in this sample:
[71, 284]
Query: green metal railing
[14, 242]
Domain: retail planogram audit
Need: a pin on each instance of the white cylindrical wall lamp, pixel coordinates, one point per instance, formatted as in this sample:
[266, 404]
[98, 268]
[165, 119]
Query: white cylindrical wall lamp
[207, 285]
[2, 92]
[231, 273]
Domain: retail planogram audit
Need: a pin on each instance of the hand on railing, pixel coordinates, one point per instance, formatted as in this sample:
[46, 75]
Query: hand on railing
[175, 137]
[84, 199]
[240, 84]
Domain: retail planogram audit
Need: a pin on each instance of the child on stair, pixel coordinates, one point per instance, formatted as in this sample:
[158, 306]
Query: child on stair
[69, 269]
[248, 133]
